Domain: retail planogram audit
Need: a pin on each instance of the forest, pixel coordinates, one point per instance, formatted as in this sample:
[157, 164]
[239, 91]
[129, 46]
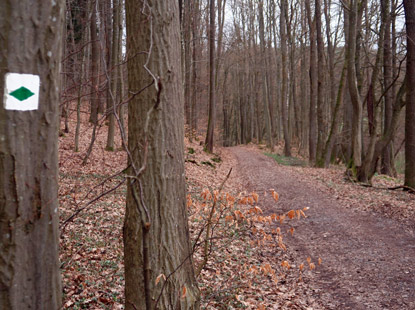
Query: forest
[207, 154]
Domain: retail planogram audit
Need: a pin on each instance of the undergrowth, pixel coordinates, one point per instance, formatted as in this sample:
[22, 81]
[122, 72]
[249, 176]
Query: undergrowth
[287, 161]
[241, 250]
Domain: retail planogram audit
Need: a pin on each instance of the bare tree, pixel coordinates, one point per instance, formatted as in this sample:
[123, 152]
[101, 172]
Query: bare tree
[265, 83]
[212, 85]
[388, 166]
[95, 60]
[113, 74]
[156, 237]
[312, 144]
[409, 6]
[321, 121]
[187, 32]
[284, 87]
[355, 10]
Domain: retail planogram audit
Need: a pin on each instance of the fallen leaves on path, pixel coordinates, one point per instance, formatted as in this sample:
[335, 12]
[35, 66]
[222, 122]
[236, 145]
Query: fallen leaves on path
[244, 268]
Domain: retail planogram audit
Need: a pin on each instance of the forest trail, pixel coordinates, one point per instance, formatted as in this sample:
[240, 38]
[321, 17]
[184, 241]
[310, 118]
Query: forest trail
[368, 259]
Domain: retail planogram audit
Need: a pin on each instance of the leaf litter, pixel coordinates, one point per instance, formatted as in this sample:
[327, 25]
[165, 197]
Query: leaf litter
[249, 266]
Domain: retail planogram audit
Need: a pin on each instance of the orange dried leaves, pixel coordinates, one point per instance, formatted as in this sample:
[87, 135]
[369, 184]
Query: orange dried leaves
[275, 195]
[159, 277]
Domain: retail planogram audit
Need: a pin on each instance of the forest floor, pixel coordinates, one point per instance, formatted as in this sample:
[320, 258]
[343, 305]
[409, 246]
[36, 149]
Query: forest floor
[363, 237]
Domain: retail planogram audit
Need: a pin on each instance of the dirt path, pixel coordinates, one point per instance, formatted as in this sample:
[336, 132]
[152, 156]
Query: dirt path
[368, 260]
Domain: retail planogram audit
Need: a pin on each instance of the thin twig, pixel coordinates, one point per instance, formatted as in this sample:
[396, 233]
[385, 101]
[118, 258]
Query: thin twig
[65, 223]
[208, 228]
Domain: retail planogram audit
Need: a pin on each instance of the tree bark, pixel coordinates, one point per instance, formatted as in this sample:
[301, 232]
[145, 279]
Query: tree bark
[409, 6]
[303, 85]
[284, 73]
[364, 172]
[312, 133]
[352, 79]
[195, 67]
[31, 43]
[113, 74]
[212, 86]
[265, 90]
[156, 237]
[388, 166]
[321, 121]
[95, 60]
[187, 31]
[334, 129]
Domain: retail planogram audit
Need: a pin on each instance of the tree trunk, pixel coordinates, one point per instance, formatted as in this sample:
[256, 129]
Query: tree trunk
[388, 166]
[284, 86]
[187, 31]
[303, 86]
[334, 129]
[367, 168]
[212, 87]
[195, 66]
[226, 115]
[120, 84]
[80, 96]
[352, 79]
[113, 74]
[278, 89]
[312, 144]
[95, 60]
[265, 90]
[156, 237]
[321, 121]
[108, 38]
[409, 6]
[31, 43]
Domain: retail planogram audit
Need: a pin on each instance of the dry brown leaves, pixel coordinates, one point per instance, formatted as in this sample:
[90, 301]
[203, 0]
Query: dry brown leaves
[392, 203]
[248, 267]
[91, 251]
[396, 204]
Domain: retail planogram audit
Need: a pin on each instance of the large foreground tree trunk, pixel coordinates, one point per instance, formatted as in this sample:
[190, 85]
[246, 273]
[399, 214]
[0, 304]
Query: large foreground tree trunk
[156, 238]
[30, 44]
[409, 6]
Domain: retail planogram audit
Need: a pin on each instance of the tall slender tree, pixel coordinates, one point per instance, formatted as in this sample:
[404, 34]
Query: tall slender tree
[187, 32]
[312, 133]
[284, 77]
[156, 237]
[355, 9]
[388, 166]
[196, 47]
[265, 83]
[113, 74]
[409, 6]
[212, 86]
[321, 126]
[95, 60]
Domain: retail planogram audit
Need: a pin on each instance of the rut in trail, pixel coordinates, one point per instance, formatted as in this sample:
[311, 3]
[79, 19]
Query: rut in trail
[368, 260]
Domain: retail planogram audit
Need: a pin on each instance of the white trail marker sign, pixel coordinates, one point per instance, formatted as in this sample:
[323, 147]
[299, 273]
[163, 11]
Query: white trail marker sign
[21, 92]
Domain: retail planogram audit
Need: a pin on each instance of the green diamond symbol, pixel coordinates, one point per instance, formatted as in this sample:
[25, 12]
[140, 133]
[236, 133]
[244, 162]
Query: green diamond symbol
[21, 93]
